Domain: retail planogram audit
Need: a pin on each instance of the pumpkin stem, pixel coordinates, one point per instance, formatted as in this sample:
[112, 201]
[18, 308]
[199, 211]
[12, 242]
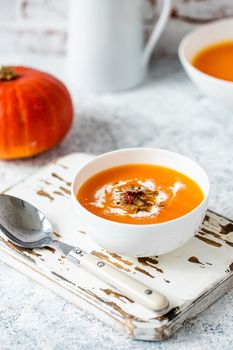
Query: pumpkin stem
[7, 73]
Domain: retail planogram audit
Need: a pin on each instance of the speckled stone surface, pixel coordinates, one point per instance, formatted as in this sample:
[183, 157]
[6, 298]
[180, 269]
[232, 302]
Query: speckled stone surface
[167, 111]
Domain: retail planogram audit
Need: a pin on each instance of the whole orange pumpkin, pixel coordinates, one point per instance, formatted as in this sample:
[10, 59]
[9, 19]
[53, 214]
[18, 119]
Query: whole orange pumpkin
[35, 112]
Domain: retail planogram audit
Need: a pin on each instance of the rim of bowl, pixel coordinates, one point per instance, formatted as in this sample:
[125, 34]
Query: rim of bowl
[185, 41]
[75, 200]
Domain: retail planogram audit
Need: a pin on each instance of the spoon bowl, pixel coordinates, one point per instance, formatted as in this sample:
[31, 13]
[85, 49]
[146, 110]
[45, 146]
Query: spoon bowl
[24, 224]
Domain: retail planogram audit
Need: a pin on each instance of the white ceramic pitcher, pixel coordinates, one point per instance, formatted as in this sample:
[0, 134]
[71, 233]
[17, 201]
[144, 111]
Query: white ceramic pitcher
[105, 45]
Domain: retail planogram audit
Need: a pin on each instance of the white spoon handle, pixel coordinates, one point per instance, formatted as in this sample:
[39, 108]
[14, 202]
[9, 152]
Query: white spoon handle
[132, 288]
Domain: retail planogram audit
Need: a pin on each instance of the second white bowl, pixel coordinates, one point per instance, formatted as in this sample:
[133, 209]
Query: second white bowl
[222, 30]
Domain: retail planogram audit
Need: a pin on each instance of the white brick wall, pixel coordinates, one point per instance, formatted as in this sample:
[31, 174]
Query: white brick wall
[44, 10]
[40, 25]
[33, 26]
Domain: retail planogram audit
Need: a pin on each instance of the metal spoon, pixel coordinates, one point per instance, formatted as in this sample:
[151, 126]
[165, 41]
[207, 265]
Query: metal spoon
[27, 227]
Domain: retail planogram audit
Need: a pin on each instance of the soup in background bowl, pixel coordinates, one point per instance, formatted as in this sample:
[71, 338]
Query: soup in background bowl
[216, 60]
[141, 201]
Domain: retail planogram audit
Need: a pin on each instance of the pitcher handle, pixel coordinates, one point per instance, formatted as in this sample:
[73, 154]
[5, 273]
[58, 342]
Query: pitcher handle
[157, 31]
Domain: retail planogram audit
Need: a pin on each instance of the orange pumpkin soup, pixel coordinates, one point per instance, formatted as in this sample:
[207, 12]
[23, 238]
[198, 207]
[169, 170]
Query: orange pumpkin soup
[216, 60]
[140, 194]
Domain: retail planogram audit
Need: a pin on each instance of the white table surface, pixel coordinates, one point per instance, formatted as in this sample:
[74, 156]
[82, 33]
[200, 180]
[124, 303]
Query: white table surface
[167, 111]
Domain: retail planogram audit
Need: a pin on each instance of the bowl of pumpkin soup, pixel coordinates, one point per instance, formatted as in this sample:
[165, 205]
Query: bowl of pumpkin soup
[141, 201]
[207, 55]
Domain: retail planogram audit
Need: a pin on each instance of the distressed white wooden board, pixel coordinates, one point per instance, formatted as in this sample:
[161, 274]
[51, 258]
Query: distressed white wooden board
[191, 277]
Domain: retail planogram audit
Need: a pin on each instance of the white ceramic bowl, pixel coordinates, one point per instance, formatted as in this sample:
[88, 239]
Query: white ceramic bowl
[142, 240]
[222, 30]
